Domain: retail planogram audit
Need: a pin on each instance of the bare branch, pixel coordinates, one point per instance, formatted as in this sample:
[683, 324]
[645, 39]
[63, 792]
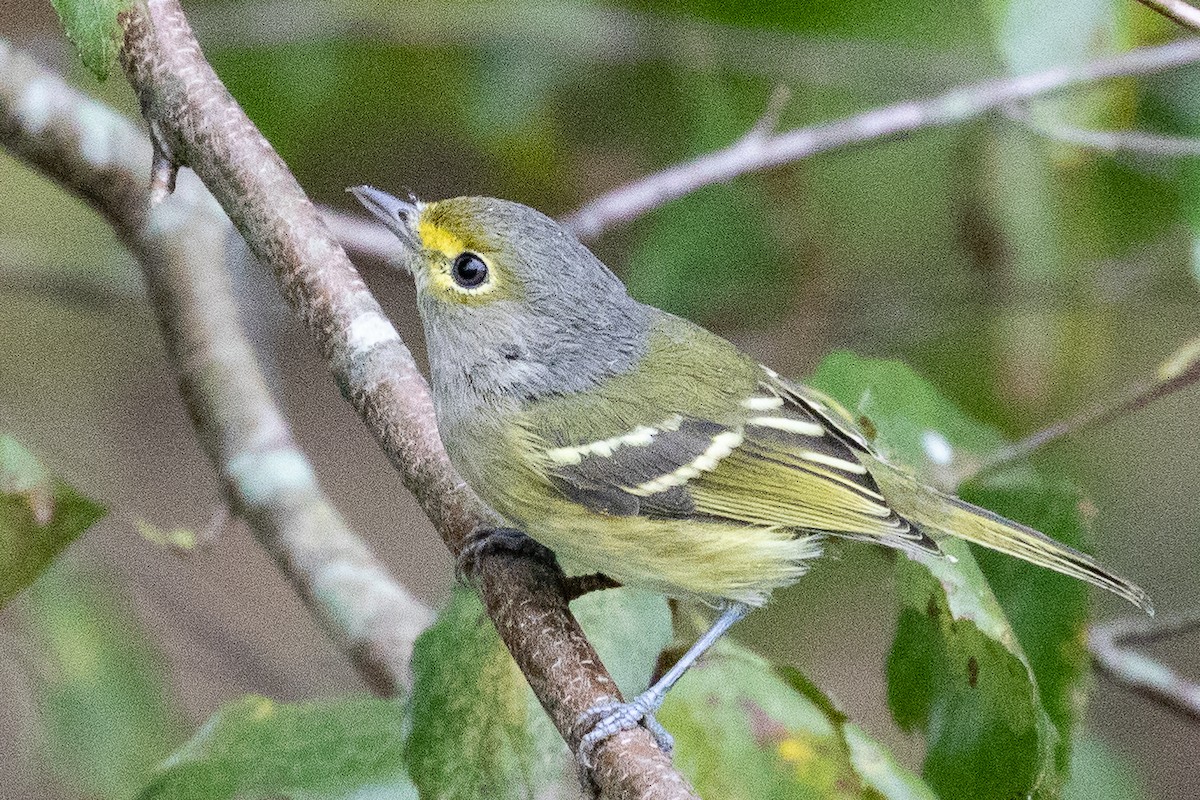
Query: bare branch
[1176, 10]
[588, 34]
[756, 151]
[1145, 675]
[202, 127]
[1178, 372]
[181, 245]
[750, 154]
[1137, 142]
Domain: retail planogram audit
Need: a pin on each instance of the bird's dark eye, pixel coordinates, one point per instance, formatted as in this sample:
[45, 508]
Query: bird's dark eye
[469, 270]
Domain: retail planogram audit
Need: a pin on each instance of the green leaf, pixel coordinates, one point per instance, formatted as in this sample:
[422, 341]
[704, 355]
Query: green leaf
[100, 688]
[477, 728]
[1048, 611]
[957, 672]
[257, 748]
[958, 668]
[92, 27]
[744, 730]
[916, 425]
[39, 516]
[629, 629]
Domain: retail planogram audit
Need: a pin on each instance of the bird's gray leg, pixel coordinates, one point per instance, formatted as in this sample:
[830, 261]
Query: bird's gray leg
[485, 540]
[609, 717]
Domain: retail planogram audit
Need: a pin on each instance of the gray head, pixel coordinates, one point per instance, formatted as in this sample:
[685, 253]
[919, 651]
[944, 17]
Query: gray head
[514, 307]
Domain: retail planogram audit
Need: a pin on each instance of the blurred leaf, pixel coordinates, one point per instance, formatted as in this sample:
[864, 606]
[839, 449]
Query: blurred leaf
[628, 628]
[1171, 104]
[745, 730]
[1065, 212]
[1100, 773]
[101, 693]
[956, 669]
[257, 748]
[1034, 36]
[706, 255]
[39, 516]
[713, 243]
[92, 27]
[478, 731]
[511, 96]
[403, 107]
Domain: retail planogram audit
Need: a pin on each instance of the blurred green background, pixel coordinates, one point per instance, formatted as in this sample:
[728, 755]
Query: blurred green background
[1024, 277]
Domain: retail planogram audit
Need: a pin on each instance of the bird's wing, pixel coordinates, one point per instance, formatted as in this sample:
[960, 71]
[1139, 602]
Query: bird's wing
[779, 454]
[776, 456]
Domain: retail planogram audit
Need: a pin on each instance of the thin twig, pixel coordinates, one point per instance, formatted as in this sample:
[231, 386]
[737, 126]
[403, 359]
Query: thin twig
[633, 200]
[756, 152]
[180, 244]
[1178, 372]
[204, 128]
[769, 121]
[1141, 673]
[1176, 10]
[1137, 142]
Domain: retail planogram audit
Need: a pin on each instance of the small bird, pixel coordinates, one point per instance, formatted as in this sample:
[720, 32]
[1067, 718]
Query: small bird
[637, 444]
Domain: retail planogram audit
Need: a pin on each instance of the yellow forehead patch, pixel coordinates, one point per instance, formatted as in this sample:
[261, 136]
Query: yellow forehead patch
[440, 239]
[435, 237]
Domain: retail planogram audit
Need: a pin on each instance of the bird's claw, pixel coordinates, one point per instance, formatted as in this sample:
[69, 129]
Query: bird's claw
[485, 540]
[609, 717]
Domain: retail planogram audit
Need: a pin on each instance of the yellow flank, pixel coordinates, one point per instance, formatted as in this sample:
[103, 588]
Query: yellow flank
[680, 558]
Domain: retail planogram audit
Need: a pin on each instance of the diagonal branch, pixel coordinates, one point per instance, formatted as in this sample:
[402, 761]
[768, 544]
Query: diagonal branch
[762, 149]
[102, 157]
[202, 127]
[1148, 677]
[1178, 372]
[750, 154]
[1176, 10]
[1136, 142]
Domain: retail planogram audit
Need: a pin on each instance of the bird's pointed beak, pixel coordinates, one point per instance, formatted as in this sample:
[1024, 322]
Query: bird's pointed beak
[400, 216]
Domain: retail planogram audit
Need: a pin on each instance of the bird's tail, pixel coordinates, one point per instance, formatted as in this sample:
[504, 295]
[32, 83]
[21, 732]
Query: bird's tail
[938, 513]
